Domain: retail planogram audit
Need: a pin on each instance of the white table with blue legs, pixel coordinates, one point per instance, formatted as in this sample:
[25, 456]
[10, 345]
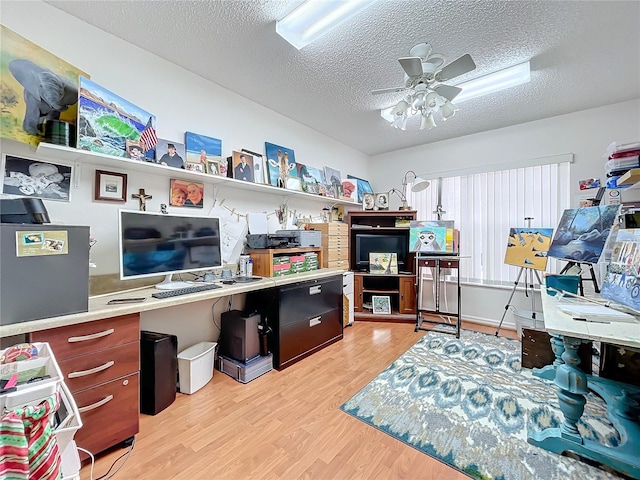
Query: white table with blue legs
[623, 400]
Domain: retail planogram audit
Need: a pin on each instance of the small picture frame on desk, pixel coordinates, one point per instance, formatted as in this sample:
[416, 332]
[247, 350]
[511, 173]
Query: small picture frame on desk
[110, 186]
[381, 304]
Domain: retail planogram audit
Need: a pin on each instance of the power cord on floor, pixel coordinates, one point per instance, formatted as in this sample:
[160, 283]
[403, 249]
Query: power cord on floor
[93, 460]
[126, 454]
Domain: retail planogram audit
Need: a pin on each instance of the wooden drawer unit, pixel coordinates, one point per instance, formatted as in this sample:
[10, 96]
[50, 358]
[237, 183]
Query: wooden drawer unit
[110, 410]
[100, 362]
[335, 243]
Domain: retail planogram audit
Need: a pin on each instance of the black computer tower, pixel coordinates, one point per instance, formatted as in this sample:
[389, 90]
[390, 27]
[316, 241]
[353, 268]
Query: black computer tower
[158, 371]
[239, 337]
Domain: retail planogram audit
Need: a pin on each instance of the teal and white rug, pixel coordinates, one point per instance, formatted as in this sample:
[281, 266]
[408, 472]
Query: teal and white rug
[469, 404]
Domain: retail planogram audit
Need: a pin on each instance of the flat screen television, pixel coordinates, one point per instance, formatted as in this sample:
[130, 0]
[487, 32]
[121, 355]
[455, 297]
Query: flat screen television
[366, 243]
[152, 244]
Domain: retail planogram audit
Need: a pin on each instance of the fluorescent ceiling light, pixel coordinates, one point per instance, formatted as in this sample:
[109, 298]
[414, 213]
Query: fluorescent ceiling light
[494, 82]
[313, 18]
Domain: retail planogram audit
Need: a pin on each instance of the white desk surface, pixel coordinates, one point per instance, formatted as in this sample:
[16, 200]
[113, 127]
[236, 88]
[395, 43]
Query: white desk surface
[560, 323]
[98, 308]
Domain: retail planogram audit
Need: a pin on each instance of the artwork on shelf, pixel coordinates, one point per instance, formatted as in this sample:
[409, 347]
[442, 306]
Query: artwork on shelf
[362, 185]
[383, 263]
[622, 281]
[195, 167]
[368, 201]
[316, 175]
[582, 233]
[382, 201]
[170, 153]
[200, 148]
[528, 247]
[333, 179]
[432, 236]
[107, 121]
[243, 167]
[281, 166]
[213, 167]
[32, 178]
[134, 150]
[186, 193]
[110, 186]
[30, 74]
[381, 304]
[259, 171]
[589, 183]
[350, 189]
[308, 182]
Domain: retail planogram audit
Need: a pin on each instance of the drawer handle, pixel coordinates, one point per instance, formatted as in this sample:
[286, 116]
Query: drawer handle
[315, 321]
[93, 336]
[315, 290]
[91, 371]
[93, 406]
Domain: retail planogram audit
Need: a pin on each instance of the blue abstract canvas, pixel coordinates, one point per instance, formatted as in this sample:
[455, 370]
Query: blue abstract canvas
[362, 187]
[582, 233]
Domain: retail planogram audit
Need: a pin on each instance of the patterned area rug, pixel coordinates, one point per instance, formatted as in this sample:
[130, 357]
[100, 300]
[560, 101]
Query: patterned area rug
[469, 404]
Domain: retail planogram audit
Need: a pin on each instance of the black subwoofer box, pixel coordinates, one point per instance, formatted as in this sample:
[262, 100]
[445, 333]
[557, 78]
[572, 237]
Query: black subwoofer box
[158, 371]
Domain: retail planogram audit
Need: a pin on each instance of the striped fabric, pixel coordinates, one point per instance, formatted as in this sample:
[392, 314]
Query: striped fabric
[28, 447]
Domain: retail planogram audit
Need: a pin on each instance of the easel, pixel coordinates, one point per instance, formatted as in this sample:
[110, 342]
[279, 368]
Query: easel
[528, 279]
[570, 265]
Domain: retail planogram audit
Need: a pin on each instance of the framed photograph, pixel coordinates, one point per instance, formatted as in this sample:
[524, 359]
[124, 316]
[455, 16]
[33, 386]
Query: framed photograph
[195, 167]
[170, 153]
[32, 178]
[368, 201]
[110, 186]
[381, 304]
[213, 167]
[243, 167]
[382, 201]
[186, 193]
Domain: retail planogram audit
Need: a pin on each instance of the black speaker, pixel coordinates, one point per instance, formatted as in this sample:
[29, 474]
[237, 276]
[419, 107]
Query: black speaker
[158, 371]
[239, 335]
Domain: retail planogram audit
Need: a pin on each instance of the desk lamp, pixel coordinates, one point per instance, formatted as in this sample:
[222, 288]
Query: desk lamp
[418, 185]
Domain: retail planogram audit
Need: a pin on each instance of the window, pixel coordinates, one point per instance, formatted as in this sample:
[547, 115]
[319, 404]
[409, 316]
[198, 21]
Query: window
[486, 205]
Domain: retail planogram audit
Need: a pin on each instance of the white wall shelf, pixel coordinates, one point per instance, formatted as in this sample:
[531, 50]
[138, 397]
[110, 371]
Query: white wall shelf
[68, 155]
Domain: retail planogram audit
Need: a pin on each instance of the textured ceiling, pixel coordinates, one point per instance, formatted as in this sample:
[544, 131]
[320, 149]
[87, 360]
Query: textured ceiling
[583, 54]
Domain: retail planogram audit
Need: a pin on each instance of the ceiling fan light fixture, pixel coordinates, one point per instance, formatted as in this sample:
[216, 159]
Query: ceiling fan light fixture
[427, 122]
[314, 18]
[494, 82]
[447, 110]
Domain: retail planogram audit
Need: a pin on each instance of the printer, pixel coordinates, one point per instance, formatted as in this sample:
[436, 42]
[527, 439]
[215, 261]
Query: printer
[304, 238]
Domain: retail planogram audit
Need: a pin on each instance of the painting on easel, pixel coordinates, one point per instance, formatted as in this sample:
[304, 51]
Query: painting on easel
[583, 233]
[622, 282]
[528, 247]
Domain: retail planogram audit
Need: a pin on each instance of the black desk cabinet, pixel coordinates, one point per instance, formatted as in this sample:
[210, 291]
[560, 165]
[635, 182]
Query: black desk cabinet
[304, 317]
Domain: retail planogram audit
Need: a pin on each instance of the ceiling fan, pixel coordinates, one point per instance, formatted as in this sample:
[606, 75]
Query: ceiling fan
[424, 86]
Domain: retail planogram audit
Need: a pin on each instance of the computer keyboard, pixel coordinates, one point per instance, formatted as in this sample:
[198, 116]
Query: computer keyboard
[185, 290]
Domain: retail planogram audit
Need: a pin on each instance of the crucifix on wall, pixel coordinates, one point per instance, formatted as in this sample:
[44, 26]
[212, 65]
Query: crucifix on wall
[143, 197]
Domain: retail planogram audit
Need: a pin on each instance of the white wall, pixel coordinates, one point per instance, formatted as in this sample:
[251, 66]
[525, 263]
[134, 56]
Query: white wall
[181, 101]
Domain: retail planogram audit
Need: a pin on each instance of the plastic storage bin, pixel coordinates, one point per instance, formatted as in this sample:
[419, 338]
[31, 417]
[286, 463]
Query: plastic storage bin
[195, 366]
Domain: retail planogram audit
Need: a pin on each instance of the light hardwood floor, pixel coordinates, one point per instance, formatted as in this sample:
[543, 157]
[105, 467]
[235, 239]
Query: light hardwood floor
[284, 425]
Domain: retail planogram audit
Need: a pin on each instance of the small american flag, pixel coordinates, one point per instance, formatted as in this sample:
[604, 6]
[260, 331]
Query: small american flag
[148, 138]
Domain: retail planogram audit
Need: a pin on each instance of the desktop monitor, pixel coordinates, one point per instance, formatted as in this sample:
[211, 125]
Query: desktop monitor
[152, 244]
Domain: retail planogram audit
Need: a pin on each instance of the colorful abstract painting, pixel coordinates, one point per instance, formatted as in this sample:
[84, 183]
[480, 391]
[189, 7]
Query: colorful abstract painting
[582, 233]
[363, 187]
[431, 236]
[528, 247]
[622, 281]
[201, 149]
[106, 121]
[35, 86]
[281, 165]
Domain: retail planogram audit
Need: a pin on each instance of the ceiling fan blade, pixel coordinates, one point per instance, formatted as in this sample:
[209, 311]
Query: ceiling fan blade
[447, 91]
[389, 90]
[411, 65]
[459, 66]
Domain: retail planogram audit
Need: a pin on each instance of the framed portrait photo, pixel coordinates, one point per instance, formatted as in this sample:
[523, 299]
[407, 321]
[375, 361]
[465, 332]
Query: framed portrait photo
[195, 167]
[368, 201]
[381, 201]
[186, 193]
[213, 167]
[110, 186]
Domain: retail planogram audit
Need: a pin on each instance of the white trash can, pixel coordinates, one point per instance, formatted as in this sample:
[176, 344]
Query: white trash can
[195, 366]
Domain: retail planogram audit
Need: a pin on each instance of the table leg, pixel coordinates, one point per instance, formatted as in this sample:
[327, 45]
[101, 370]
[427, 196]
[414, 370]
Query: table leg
[548, 372]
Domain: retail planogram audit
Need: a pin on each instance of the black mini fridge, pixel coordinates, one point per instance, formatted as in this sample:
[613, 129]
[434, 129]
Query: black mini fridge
[158, 371]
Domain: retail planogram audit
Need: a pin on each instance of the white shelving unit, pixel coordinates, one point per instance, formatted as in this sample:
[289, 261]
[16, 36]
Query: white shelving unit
[76, 156]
